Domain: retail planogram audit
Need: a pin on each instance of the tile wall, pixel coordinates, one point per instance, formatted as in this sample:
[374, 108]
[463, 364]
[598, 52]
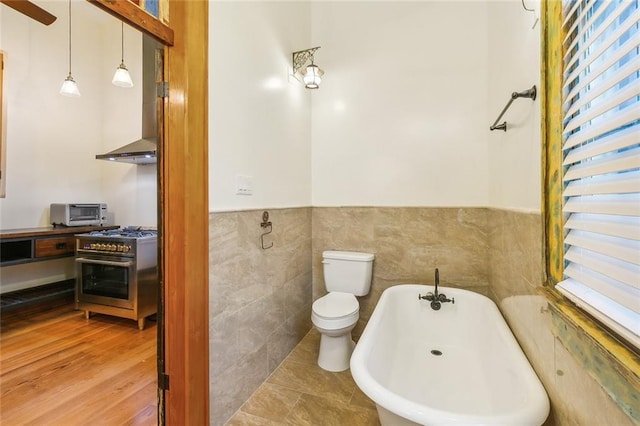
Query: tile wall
[260, 304]
[260, 300]
[517, 269]
[409, 243]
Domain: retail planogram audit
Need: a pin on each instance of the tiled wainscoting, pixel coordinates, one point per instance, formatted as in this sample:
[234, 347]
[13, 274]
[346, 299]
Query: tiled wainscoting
[260, 300]
[409, 243]
[517, 271]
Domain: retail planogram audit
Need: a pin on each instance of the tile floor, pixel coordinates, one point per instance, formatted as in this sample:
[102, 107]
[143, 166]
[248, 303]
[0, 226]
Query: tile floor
[301, 393]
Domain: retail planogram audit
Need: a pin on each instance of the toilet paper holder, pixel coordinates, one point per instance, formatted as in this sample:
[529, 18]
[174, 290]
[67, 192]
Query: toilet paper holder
[264, 225]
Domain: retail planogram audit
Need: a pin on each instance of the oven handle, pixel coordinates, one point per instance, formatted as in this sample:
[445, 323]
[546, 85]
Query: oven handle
[104, 262]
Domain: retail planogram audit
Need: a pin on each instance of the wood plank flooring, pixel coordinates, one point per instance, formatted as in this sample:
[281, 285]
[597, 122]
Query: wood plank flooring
[58, 368]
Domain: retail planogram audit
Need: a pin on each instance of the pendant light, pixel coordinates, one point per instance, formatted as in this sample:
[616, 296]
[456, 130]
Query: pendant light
[69, 86]
[121, 78]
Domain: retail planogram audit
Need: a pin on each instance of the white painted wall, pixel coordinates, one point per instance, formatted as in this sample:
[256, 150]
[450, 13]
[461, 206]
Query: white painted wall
[129, 190]
[259, 118]
[514, 60]
[52, 140]
[401, 118]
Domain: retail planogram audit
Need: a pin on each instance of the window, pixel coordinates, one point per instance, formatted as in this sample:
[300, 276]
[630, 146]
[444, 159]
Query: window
[601, 161]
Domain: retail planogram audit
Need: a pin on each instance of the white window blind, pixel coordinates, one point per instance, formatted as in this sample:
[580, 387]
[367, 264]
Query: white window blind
[601, 151]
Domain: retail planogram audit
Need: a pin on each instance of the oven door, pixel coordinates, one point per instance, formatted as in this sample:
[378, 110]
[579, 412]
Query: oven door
[108, 282]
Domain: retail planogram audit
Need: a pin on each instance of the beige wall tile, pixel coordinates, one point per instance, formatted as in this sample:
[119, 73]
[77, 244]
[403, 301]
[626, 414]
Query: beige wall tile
[236, 383]
[260, 300]
[517, 271]
[581, 400]
[409, 243]
[517, 262]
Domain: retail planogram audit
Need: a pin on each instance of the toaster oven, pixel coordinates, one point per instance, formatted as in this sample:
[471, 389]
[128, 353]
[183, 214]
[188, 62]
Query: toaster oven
[78, 214]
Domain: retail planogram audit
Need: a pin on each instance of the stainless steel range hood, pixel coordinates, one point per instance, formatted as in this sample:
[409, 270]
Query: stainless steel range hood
[144, 150]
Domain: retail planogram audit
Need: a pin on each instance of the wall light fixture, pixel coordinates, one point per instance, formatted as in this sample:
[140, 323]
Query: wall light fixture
[69, 86]
[311, 74]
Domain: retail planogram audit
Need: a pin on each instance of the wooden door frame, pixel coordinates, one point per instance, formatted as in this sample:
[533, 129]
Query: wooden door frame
[185, 212]
[183, 204]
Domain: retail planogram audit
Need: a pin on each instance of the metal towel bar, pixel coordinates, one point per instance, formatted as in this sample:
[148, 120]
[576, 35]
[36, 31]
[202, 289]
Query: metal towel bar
[531, 94]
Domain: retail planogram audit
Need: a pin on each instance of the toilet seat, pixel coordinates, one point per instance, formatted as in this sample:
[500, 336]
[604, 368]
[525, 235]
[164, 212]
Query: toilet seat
[335, 310]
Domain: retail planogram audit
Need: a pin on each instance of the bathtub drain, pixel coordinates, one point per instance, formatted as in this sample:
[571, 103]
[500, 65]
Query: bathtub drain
[436, 352]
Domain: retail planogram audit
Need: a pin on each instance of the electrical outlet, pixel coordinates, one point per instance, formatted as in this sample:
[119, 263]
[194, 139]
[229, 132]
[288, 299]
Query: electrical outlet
[244, 185]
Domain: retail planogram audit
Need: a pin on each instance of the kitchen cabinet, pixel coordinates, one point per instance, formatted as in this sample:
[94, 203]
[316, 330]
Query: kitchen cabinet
[37, 244]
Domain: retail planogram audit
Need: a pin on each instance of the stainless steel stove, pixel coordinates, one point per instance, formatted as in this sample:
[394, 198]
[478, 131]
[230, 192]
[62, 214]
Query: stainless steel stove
[117, 273]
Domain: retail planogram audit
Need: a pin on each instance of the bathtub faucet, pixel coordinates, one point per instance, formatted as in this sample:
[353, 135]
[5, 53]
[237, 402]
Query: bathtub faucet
[436, 298]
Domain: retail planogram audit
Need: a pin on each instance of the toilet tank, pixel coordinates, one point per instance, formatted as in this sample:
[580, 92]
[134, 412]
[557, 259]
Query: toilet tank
[347, 271]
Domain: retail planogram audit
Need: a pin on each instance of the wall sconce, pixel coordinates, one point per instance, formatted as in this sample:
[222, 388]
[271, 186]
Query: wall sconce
[311, 75]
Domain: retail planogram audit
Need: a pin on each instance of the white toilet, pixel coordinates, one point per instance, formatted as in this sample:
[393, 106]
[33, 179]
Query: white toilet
[347, 274]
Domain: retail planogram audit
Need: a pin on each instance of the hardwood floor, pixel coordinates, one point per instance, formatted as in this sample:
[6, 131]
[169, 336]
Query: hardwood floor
[57, 368]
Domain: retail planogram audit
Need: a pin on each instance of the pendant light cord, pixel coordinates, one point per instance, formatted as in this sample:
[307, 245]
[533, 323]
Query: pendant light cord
[69, 37]
[122, 40]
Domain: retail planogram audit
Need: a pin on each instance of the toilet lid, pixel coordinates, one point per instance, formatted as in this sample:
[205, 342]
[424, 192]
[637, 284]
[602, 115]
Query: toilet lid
[336, 305]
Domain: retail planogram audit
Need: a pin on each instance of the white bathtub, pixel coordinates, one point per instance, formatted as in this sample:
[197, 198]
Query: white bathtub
[482, 377]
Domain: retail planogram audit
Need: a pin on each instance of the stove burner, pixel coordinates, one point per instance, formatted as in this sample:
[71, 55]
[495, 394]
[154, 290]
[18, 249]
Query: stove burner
[127, 232]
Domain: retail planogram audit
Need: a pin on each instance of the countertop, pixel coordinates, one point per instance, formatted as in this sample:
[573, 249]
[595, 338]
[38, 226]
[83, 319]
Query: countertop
[50, 231]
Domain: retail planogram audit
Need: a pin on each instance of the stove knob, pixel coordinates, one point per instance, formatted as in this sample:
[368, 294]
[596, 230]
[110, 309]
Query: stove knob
[113, 247]
[127, 249]
[92, 246]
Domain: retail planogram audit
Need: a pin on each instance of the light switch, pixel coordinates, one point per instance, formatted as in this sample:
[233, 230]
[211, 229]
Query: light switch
[244, 185]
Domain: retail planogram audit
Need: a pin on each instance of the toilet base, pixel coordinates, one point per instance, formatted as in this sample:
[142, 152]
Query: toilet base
[335, 352]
